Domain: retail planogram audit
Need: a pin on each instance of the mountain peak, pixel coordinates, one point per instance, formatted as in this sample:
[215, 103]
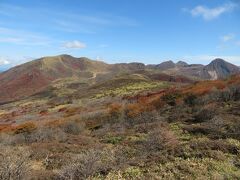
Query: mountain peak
[181, 63]
[169, 61]
[218, 60]
[219, 69]
[166, 65]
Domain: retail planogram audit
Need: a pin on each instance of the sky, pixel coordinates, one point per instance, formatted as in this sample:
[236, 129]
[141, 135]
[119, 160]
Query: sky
[147, 31]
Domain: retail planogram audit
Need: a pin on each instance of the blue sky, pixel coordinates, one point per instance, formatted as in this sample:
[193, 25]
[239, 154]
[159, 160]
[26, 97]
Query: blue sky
[148, 31]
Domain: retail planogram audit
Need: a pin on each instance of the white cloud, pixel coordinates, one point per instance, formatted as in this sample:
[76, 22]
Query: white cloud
[74, 45]
[238, 43]
[227, 37]
[211, 13]
[4, 61]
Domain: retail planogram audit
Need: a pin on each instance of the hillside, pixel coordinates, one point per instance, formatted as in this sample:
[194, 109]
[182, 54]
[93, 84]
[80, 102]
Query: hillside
[130, 127]
[35, 76]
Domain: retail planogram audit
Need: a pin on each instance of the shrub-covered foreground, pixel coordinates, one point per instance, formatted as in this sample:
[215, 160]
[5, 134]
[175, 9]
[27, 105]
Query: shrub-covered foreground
[175, 136]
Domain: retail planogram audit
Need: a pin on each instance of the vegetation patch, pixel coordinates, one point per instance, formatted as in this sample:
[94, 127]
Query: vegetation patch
[132, 88]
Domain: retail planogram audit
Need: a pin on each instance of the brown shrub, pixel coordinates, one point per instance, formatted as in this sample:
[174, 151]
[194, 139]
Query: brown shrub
[87, 164]
[161, 139]
[45, 134]
[72, 111]
[197, 129]
[204, 115]
[143, 118]
[73, 127]
[14, 163]
[218, 145]
[190, 99]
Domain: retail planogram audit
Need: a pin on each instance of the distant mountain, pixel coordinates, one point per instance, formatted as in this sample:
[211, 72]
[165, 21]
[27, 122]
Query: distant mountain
[163, 66]
[127, 67]
[219, 69]
[166, 65]
[181, 64]
[32, 77]
[180, 68]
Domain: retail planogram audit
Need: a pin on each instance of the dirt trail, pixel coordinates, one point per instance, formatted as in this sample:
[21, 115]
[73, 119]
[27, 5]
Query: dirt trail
[94, 76]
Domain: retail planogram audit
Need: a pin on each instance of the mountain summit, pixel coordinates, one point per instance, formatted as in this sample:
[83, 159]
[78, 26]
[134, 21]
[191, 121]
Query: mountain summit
[219, 69]
[181, 63]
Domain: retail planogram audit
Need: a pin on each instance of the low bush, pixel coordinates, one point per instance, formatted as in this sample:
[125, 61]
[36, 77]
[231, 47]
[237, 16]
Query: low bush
[218, 145]
[49, 134]
[190, 100]
[73, 127]
[114, 139]
[231, 93]
[14, 163]
[204, 115]
[88, 164]
[161, 139]
[27, 127]
[171, 97]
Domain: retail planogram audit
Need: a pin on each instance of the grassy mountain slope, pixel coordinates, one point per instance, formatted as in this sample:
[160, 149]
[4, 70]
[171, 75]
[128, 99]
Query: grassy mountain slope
[142, 132]
[34, 76]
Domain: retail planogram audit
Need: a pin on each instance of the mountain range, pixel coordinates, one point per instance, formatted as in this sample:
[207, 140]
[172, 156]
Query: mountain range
[33, 77]
[61, 114]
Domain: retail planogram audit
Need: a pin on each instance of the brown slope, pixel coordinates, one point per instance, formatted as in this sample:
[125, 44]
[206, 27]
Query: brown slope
[32, 77]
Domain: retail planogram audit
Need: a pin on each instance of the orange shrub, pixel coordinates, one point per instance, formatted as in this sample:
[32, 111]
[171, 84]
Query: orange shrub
[133, 110]
[5, 127]
[27, 127]
[204, 87]
[73, 111]
[114, 108]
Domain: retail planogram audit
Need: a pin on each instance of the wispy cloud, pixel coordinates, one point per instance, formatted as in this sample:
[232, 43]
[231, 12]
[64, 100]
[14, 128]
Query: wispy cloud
[71, 22]
[74, 45]
[20, 37]
[7, 9]
[71, 26]
[11, 40]
[228, 41]
[211, 13]
[103, 45]
[79, 23]
[228, 37]
[4, 61]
